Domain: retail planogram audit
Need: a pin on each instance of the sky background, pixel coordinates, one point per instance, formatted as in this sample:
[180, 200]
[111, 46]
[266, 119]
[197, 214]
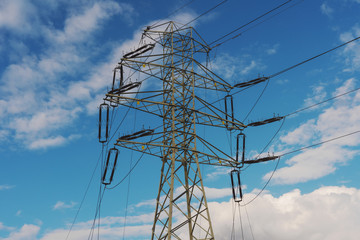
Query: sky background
[56, 64]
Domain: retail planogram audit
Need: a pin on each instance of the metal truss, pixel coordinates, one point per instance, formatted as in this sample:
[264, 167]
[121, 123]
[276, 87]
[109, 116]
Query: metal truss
[168, 56]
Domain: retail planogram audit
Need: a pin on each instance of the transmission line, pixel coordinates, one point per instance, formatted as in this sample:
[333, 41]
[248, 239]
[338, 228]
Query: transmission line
[248, 23]
[320, 143]
[293, 151]
[175, 11]
[204, 13]
[324, 101]
[312, 58]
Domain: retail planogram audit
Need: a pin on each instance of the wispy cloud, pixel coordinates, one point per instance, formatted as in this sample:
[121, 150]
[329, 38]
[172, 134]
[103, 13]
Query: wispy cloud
[351, 52]
[326, 9]
[232, 67]
[273, 50]
[6, 187]
[62, 205]
[318, 95]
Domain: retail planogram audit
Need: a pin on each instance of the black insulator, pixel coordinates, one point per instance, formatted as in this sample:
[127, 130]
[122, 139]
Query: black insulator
[112, 102]
[110, 166]
[103, 122]
[264, 159]
[139, 51]
[251, 82]
[266, 121]
[240, 149]
[115, 87]
[229, 111]
[125, 88]
[142, 133]
[236, 185]
[121, 76]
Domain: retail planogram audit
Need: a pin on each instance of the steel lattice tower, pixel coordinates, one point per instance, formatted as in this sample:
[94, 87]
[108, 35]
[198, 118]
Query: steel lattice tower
[180, 168]
[169, 54]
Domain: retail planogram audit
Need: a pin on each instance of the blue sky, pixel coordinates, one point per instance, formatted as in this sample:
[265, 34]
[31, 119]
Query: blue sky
[56, 65]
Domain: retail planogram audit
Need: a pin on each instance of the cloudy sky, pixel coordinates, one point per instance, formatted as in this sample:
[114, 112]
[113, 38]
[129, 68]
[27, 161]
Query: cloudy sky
[57, 58]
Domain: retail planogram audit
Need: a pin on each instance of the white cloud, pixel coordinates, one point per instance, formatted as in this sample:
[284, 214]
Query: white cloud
[46, 88]
[293, 215]
[338, 119]
[329, 212]
[248, 68]
[326, 9]
[62, 205]
[3, 227]
[26, 232]
[229, 67]
[6, 187]
[273, 50]
[78, 27]
[351, 52]
[318, 95]
[17, 15]
[218, 171]
[300, 135]
[47, 142]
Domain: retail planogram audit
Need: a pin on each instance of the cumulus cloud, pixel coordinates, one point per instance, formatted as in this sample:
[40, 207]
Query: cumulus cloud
[64, 79]
[26, 232]
[78, 27]
[293, 215]
[337, 119]
[42, 91]
[17, 16]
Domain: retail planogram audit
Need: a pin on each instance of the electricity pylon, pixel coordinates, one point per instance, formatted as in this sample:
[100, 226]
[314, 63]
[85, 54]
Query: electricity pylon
[169, 54]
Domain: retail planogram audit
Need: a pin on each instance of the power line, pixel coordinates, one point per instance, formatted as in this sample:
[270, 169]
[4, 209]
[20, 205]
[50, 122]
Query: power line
[175, 11]
[255, 25]
[267, 182]
[312, 58]
[324, 101]
[204, 13]
[248, 23]
[84, 196]
[297, 150]
[257, 100]
[320, 143]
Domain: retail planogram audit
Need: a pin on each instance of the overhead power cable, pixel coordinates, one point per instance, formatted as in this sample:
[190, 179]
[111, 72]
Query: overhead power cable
[312, 58]
[297, 150]
[256, 102]
[320, 143]
[85, 194]
[204, 13]
[324, 101]
[248, 23]
[263, 79]
[266, 184]
[175, 11]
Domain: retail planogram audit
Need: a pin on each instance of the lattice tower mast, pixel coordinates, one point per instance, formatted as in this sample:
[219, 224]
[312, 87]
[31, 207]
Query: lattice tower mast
[180, 169]
[181, 208]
